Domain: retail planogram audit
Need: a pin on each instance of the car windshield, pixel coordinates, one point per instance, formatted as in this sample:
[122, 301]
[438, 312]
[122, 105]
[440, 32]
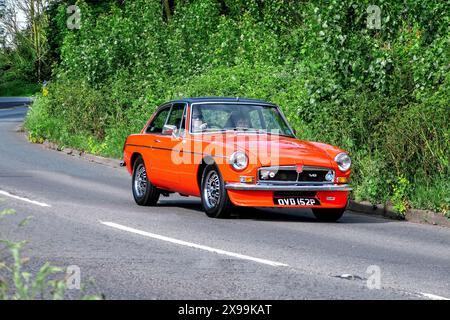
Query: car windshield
[238, 117]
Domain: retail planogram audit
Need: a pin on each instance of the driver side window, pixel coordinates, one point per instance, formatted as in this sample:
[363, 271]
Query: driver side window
[156, 126]
[176, 116]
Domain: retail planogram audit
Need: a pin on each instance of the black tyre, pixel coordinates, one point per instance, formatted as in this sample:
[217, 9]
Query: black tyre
[144, 193]
[328, 215]
[215, 200]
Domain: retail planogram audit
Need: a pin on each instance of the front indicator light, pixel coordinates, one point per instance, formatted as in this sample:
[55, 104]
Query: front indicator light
[342, 180]
[245, 179]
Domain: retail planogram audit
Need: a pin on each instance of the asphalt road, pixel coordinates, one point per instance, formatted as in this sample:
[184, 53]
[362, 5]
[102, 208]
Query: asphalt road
[84, 215]
[9, 102]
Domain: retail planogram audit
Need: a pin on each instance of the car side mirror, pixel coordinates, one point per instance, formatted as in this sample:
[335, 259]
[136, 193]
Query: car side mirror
[169, 130]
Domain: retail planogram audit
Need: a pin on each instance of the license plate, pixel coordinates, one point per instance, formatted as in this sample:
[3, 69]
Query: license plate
[295, 201]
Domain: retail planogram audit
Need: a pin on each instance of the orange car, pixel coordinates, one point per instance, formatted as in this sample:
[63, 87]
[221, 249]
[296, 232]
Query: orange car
[234, 152]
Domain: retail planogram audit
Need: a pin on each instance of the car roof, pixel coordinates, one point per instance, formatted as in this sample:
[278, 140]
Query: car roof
[221, 99]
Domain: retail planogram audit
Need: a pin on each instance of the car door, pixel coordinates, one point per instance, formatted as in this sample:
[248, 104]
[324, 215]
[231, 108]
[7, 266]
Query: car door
[152, 136]
[164, 145]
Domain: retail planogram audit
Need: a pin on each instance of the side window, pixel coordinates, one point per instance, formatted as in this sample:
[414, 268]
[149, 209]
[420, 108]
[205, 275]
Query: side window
[176, 115]
[159, 121]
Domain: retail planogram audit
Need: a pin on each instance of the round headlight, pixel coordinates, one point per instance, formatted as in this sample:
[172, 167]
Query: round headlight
[343, 161]
[239, 160]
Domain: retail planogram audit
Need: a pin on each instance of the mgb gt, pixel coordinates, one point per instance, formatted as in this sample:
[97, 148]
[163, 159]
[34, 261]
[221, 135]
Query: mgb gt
[234, 152]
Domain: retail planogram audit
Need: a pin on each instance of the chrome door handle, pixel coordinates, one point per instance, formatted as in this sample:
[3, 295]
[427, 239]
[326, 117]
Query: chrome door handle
[157, 140]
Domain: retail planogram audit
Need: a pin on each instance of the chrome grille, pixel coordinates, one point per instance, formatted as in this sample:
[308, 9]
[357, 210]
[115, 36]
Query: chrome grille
[289, 174]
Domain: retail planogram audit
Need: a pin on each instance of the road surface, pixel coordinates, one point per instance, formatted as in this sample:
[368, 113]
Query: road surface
[9, 102]
[84, 215]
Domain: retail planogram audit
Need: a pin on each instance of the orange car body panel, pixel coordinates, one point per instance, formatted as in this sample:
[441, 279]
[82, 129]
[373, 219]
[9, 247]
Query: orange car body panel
[173, 163]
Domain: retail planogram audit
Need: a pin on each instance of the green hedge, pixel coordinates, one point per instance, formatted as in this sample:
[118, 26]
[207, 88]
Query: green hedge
[383, 95]
[19, 89]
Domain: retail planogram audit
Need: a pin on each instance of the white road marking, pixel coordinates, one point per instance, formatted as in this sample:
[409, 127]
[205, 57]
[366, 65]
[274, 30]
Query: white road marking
[193, 245]
[7, 194]
[432, 296]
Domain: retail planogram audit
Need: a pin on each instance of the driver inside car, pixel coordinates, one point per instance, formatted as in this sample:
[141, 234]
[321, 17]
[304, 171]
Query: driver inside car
[197, 121]
[242, 123]
[239, 120]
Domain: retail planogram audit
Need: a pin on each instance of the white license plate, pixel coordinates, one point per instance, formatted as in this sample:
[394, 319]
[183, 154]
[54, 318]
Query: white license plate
[295, 201]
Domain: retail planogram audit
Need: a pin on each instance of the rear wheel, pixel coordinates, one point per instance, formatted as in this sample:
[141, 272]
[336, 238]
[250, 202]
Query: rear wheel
[144, 193]
[215, 200]
[328, 215]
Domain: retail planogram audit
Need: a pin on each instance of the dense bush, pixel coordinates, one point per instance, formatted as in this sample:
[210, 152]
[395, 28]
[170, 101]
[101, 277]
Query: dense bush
[383, 95]
[17, 71]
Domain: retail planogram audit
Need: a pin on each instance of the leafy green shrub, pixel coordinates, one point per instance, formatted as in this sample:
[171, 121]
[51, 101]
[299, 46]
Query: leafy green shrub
[18, 88]
[400, 195]
[431, 194]
[372, 181]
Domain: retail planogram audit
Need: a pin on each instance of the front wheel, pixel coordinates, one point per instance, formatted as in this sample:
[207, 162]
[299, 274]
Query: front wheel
[328, 215]
[215, 200]
[144, 193]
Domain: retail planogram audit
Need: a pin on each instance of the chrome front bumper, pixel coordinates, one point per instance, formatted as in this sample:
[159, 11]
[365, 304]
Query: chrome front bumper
[278, 187]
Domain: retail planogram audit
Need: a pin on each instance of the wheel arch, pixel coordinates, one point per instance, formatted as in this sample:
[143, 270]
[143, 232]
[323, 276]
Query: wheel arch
[207, 160]
[133, 159]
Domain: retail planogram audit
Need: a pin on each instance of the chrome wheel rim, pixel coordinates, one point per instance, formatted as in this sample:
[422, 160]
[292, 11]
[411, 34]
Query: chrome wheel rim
[140, 181]
[211, 191]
